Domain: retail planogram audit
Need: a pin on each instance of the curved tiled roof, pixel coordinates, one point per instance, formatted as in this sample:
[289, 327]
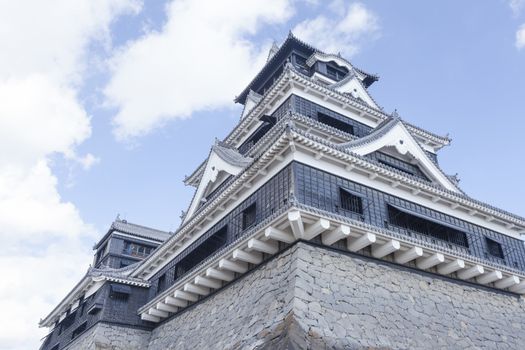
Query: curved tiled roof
[231, 155]
[135, 230]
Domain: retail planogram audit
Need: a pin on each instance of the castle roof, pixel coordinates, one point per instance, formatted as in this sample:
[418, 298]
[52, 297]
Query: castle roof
[139, 231]
[277, 57]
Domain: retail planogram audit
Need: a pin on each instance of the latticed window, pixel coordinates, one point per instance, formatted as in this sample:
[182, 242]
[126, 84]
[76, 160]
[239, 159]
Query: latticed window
[351, 202]
[161, 283]
[335, 123]
[248, 217]
[135, 249]
[209, 246]
[494, 248]
[79, 330]
[418, 224]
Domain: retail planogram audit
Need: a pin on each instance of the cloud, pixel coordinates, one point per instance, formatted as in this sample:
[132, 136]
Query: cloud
[345, 34]
[520, 37]
[41, 117]
[198, 61]
[516, 6]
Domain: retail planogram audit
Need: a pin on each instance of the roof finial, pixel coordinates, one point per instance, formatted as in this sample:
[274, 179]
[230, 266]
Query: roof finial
[394, 114]
[118, 217]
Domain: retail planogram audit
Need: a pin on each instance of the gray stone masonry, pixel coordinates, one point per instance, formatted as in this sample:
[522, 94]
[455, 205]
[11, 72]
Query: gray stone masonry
[315, 298]
[311, 297]
[104, 336]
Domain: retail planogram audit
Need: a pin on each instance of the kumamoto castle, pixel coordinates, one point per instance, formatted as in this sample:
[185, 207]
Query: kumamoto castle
[319, 222]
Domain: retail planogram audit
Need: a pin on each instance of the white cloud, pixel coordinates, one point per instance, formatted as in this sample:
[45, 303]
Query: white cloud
[345, 34]
[40, 117]
[199, 61]
[516, 6]
[520, 37]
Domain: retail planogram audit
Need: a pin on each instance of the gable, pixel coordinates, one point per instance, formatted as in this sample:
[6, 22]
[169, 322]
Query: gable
[353, 86]
[394, 139]
[222, 163]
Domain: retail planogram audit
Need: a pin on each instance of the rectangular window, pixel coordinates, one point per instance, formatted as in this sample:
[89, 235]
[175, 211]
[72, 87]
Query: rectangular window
[209, 246]
[418, 224]
[335, 123]
[350, 201]
[300, 61]
[161, 283]
[79, 330]
[494, 248]
[69, 320]
[137, 250]
[248, 216]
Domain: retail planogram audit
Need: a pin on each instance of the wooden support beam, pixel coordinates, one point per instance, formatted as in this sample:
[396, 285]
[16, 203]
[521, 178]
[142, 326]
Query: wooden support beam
[235, 266]
[268, 247]
[165, 307]
[316, 229]
[372, 176]
[490, 277]
[191, 288]
[158, 313]
[355, 244]
[219, 274]
[430, 261]
[148, 317]
[179, 294]
[296, 222]
[249, 257]
[329, 238]
[519, 288]
[380, 251]
[402, 257]
[416, 191]
[278, 235]
[508, 282]
[175, 302]
[471, 272]
[450, 267]
[207, 282]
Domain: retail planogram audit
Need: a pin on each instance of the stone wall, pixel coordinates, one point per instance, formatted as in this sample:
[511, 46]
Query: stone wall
[316, 298]
[104, 336]
[242, 316]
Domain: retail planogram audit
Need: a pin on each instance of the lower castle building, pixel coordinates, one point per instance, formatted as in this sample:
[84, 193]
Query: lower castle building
[320, 221]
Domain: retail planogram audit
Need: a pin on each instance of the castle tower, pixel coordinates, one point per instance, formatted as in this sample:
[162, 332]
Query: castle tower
[319, 221]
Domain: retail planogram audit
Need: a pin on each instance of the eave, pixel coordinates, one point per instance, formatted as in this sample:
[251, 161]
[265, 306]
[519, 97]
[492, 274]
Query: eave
[290, 78]
[304, 223]
[87, 282]
[272, 148]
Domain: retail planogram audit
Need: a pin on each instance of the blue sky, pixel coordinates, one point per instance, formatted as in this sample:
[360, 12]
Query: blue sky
[105, 106]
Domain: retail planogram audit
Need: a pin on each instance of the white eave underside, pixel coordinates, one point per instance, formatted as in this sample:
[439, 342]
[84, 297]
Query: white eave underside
[290, 76]
[419, 188]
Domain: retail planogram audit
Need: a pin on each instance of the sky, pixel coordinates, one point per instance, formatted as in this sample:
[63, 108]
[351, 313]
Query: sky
[105, 106]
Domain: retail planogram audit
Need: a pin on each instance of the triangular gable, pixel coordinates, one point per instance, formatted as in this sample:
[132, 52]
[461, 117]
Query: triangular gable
[222, 162]
[252, 100]
[352, 85]
[393, 135]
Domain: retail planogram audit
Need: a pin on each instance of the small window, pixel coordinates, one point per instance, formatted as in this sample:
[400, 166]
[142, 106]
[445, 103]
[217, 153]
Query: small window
[494, 248]
[161, 283]
[137, 250]
[335, 123]
[300, 61]
[79, 330]
[351, 202]
[69, 320]
[248, 217]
